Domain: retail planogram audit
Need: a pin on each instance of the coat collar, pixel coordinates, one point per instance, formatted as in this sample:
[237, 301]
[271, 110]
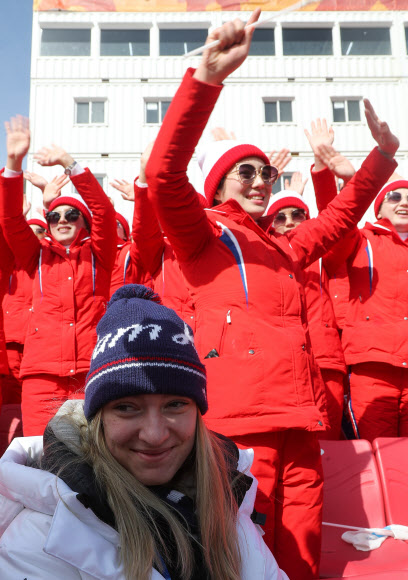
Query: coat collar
[384, 227]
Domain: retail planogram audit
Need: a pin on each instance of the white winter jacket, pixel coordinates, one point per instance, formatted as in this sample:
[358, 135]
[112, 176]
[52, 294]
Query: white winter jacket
[47, 534]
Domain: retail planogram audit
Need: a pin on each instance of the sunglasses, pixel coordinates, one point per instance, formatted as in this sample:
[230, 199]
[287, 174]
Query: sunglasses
[297, 216]
[71, 216]
[247, 173]
[394, 196]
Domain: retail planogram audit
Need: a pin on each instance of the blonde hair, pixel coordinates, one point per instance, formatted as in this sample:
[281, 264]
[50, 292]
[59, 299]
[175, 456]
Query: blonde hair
[135, 507]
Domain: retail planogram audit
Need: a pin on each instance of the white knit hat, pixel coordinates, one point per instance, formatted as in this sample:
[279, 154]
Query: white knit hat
[217, 158]
[286, 198]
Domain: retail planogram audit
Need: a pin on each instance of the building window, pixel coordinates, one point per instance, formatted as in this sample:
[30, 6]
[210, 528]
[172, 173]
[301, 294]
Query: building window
[155, 110]
[263, 42]
[359, 41]
[88, 112]
[279, 184]
[66, 42]
[277, 111]
[406, 38]
[125, 42]
[305, 41]
[101, 180]
[346, 110]
[176, 42]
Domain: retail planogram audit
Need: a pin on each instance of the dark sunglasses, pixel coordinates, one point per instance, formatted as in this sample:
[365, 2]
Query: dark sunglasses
[71, 216]
[297, 215]
[393, 196]
[247, 173]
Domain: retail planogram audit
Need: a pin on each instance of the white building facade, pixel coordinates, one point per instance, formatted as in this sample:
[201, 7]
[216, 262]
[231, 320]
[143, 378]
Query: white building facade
[102, 81]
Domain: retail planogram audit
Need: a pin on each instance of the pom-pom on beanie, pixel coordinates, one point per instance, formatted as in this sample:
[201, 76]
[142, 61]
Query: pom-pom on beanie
[143, 348]
[390, 186]
[286, 198]
[219, 157]
[74, 200]
[123, 221]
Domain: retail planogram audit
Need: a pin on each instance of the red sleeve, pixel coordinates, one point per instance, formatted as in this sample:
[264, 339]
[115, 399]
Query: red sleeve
[6, 257]
[315, 237]
[148, 243]
[324, 185]
[175, 200]
[17, 233]
[103, 232]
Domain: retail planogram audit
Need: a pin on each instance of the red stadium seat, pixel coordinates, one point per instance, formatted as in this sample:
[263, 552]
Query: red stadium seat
[353, 496]
[381, 576]
[392, 460]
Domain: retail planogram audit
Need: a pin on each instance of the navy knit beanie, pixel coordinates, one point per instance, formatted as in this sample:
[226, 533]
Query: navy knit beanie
[143, 347]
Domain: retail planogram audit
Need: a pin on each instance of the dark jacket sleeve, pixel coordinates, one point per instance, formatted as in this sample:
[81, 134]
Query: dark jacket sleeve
[103, 231]
[175, 200]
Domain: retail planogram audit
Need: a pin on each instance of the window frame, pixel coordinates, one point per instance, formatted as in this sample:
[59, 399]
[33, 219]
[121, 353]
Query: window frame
[310, 26]
[362, 26]
[159, 101]
[90, 100]
[346, 100]
[127, 28]
[69, 26]
[180, 27]
[278, 100]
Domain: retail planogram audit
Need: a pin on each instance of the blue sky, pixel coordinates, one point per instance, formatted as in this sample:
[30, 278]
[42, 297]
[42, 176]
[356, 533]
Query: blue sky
[15, 51]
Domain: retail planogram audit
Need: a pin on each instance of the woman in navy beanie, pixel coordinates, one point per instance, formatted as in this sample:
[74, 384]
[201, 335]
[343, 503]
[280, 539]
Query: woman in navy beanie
[131, 484]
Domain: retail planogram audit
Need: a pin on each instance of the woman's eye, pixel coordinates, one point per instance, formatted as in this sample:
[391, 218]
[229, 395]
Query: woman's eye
[124, 408]
[177, 404]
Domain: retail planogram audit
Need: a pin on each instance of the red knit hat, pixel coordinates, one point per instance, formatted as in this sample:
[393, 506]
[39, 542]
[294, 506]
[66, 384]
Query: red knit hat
[123, 221]
[286, 198]
[74, 200]
[390, 186]
[219, 157]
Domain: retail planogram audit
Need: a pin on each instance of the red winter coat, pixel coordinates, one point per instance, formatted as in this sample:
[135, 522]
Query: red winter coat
[158, 259]
[17, 305]
[376, 319]
[249, 304]
[71, 286]
[6, 267]
[323, 329]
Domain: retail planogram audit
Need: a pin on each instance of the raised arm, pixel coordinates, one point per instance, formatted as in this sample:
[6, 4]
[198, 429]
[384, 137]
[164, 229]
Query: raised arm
[315, 237]
[175, 200]
[103, 231]
[18, 235]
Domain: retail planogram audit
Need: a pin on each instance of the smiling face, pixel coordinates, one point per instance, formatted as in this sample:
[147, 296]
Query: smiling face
[150, 435]
[396, 212]
[65, 232]
[252, 198]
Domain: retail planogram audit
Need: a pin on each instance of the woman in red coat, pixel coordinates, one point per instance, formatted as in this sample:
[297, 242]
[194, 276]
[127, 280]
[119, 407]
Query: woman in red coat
[375, 333]
[251, 323]
[289, 210]
[71, 272]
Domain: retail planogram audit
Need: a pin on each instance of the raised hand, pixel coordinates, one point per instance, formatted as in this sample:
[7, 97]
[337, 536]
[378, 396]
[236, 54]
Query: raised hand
[143, 162]
[26, 206]
[387, 141]
[220, 61]
[53, 189]
[296, 183]
[54, 155]
[320, 134]
[220, 134]
[37, 180]
[336, 162]
[17, 141]
[280, 159]
[126, 189]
